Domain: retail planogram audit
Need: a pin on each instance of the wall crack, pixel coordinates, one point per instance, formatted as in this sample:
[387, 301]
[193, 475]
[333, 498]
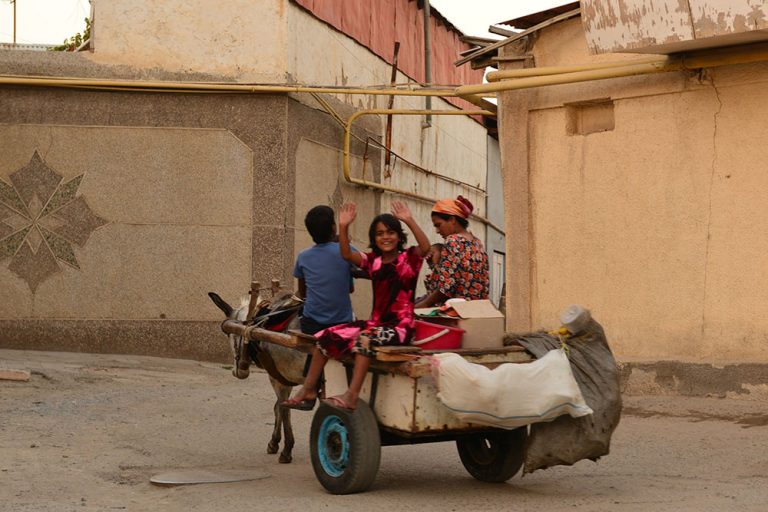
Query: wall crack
[711, 189]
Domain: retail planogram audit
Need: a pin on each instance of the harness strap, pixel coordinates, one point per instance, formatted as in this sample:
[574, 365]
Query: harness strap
[259, 320]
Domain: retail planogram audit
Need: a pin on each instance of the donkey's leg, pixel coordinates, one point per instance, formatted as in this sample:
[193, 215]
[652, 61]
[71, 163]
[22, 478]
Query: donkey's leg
[274, 442]
[286, 455]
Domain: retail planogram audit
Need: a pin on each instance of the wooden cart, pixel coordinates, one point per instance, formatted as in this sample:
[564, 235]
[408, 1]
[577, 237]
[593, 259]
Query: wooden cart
[399, 405]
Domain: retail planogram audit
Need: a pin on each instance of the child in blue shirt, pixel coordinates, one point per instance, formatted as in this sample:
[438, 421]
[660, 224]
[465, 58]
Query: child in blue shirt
[325, 278]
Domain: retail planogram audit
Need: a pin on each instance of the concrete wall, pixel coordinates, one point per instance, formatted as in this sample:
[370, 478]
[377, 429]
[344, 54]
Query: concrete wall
[657, 224]
[243, 39]
[138, 204]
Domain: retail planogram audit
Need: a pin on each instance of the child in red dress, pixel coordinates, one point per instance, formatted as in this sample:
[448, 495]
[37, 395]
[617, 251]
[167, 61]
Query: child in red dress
[394, 273]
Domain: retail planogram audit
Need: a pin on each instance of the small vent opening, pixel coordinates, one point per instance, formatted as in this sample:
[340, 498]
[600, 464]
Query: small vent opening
[588, 117]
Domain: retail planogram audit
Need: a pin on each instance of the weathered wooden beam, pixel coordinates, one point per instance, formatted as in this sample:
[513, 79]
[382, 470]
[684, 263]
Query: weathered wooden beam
[493, 29]
[518, 35]
[479, 41]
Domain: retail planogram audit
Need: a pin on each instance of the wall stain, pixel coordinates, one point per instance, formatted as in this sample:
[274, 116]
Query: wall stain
[695, 379]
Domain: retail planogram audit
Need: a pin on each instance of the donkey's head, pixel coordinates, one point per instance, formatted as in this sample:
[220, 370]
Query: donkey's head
[239, 351]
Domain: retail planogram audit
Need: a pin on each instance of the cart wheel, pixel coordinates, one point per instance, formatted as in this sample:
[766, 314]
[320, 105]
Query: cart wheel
[493, 456]
[345, 448]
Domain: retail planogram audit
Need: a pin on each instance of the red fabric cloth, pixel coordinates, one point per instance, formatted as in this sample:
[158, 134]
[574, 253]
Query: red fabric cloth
[394, 286]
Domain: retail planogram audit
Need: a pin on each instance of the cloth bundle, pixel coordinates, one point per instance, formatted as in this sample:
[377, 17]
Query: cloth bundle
[512, 394]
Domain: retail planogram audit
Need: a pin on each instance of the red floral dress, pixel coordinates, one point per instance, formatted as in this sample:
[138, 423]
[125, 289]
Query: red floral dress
[463, 269]
[392, 318]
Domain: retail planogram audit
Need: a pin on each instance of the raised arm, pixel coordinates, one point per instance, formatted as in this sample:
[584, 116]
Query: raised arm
[347, 215]
[402, 212]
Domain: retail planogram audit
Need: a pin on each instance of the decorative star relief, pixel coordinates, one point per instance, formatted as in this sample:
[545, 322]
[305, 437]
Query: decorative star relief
[41, 217]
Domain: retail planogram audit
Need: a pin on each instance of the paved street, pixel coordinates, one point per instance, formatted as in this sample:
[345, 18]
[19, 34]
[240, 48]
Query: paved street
[88, 431]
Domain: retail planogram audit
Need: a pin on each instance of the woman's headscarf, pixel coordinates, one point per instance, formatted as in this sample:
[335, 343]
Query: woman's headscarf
[460, 207]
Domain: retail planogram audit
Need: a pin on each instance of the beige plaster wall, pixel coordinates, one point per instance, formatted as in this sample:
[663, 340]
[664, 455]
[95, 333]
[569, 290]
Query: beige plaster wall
[658, 225]
[239, 38]
[454, 146]
[176, 223]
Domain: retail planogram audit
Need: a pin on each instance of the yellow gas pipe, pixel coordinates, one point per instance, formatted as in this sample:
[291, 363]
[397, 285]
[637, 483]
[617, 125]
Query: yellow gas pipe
[496, 76]
[141, 85]
[680, 62]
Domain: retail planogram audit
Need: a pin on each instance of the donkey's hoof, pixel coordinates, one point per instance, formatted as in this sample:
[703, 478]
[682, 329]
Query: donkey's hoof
[241, 372]
[272, 448]
[285, 458]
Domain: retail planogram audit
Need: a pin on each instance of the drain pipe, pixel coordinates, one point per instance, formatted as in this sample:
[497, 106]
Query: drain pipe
[427, 62]
[379, 186]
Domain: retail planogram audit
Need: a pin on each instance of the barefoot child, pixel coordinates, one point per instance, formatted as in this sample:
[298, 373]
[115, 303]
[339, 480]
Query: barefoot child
[394, 272]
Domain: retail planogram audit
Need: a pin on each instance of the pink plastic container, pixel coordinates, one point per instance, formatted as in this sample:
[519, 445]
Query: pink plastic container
[429, 336]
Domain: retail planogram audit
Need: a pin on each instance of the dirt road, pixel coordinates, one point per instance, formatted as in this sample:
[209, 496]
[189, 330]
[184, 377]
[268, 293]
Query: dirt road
[88, 431]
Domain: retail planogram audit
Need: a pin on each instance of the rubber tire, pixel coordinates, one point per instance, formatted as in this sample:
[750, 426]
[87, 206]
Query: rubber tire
[359, 470]
[494, 456]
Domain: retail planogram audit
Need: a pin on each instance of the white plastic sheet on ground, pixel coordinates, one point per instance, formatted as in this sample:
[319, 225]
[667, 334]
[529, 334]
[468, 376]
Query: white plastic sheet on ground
[512, 394]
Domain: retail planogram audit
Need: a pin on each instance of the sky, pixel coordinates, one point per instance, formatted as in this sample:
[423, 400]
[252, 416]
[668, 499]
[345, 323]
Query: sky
[473, 17]
[52, 21]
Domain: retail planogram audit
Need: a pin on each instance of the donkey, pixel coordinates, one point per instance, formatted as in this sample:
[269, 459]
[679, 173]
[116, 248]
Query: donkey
[284, 374]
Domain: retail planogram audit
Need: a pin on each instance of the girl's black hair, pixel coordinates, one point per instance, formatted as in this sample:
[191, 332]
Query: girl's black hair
[461, 220]
[392, 223]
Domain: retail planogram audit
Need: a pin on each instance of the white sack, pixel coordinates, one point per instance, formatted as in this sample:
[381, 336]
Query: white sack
[512, 394]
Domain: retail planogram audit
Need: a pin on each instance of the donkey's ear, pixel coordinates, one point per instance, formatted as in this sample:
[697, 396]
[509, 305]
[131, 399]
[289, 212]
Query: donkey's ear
[221, 303]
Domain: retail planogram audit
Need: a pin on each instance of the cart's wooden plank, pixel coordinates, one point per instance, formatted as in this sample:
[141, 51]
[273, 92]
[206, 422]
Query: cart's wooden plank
[395, 357]
[398, 349]
[478, 351]
[398, 353]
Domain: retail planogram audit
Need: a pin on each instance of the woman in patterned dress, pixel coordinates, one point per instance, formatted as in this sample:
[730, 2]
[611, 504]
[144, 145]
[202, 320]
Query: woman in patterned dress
[394, 272]
[463, 268]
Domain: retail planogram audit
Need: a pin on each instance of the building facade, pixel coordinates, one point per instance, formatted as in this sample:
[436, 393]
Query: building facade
[120, 208]
[640, 197]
